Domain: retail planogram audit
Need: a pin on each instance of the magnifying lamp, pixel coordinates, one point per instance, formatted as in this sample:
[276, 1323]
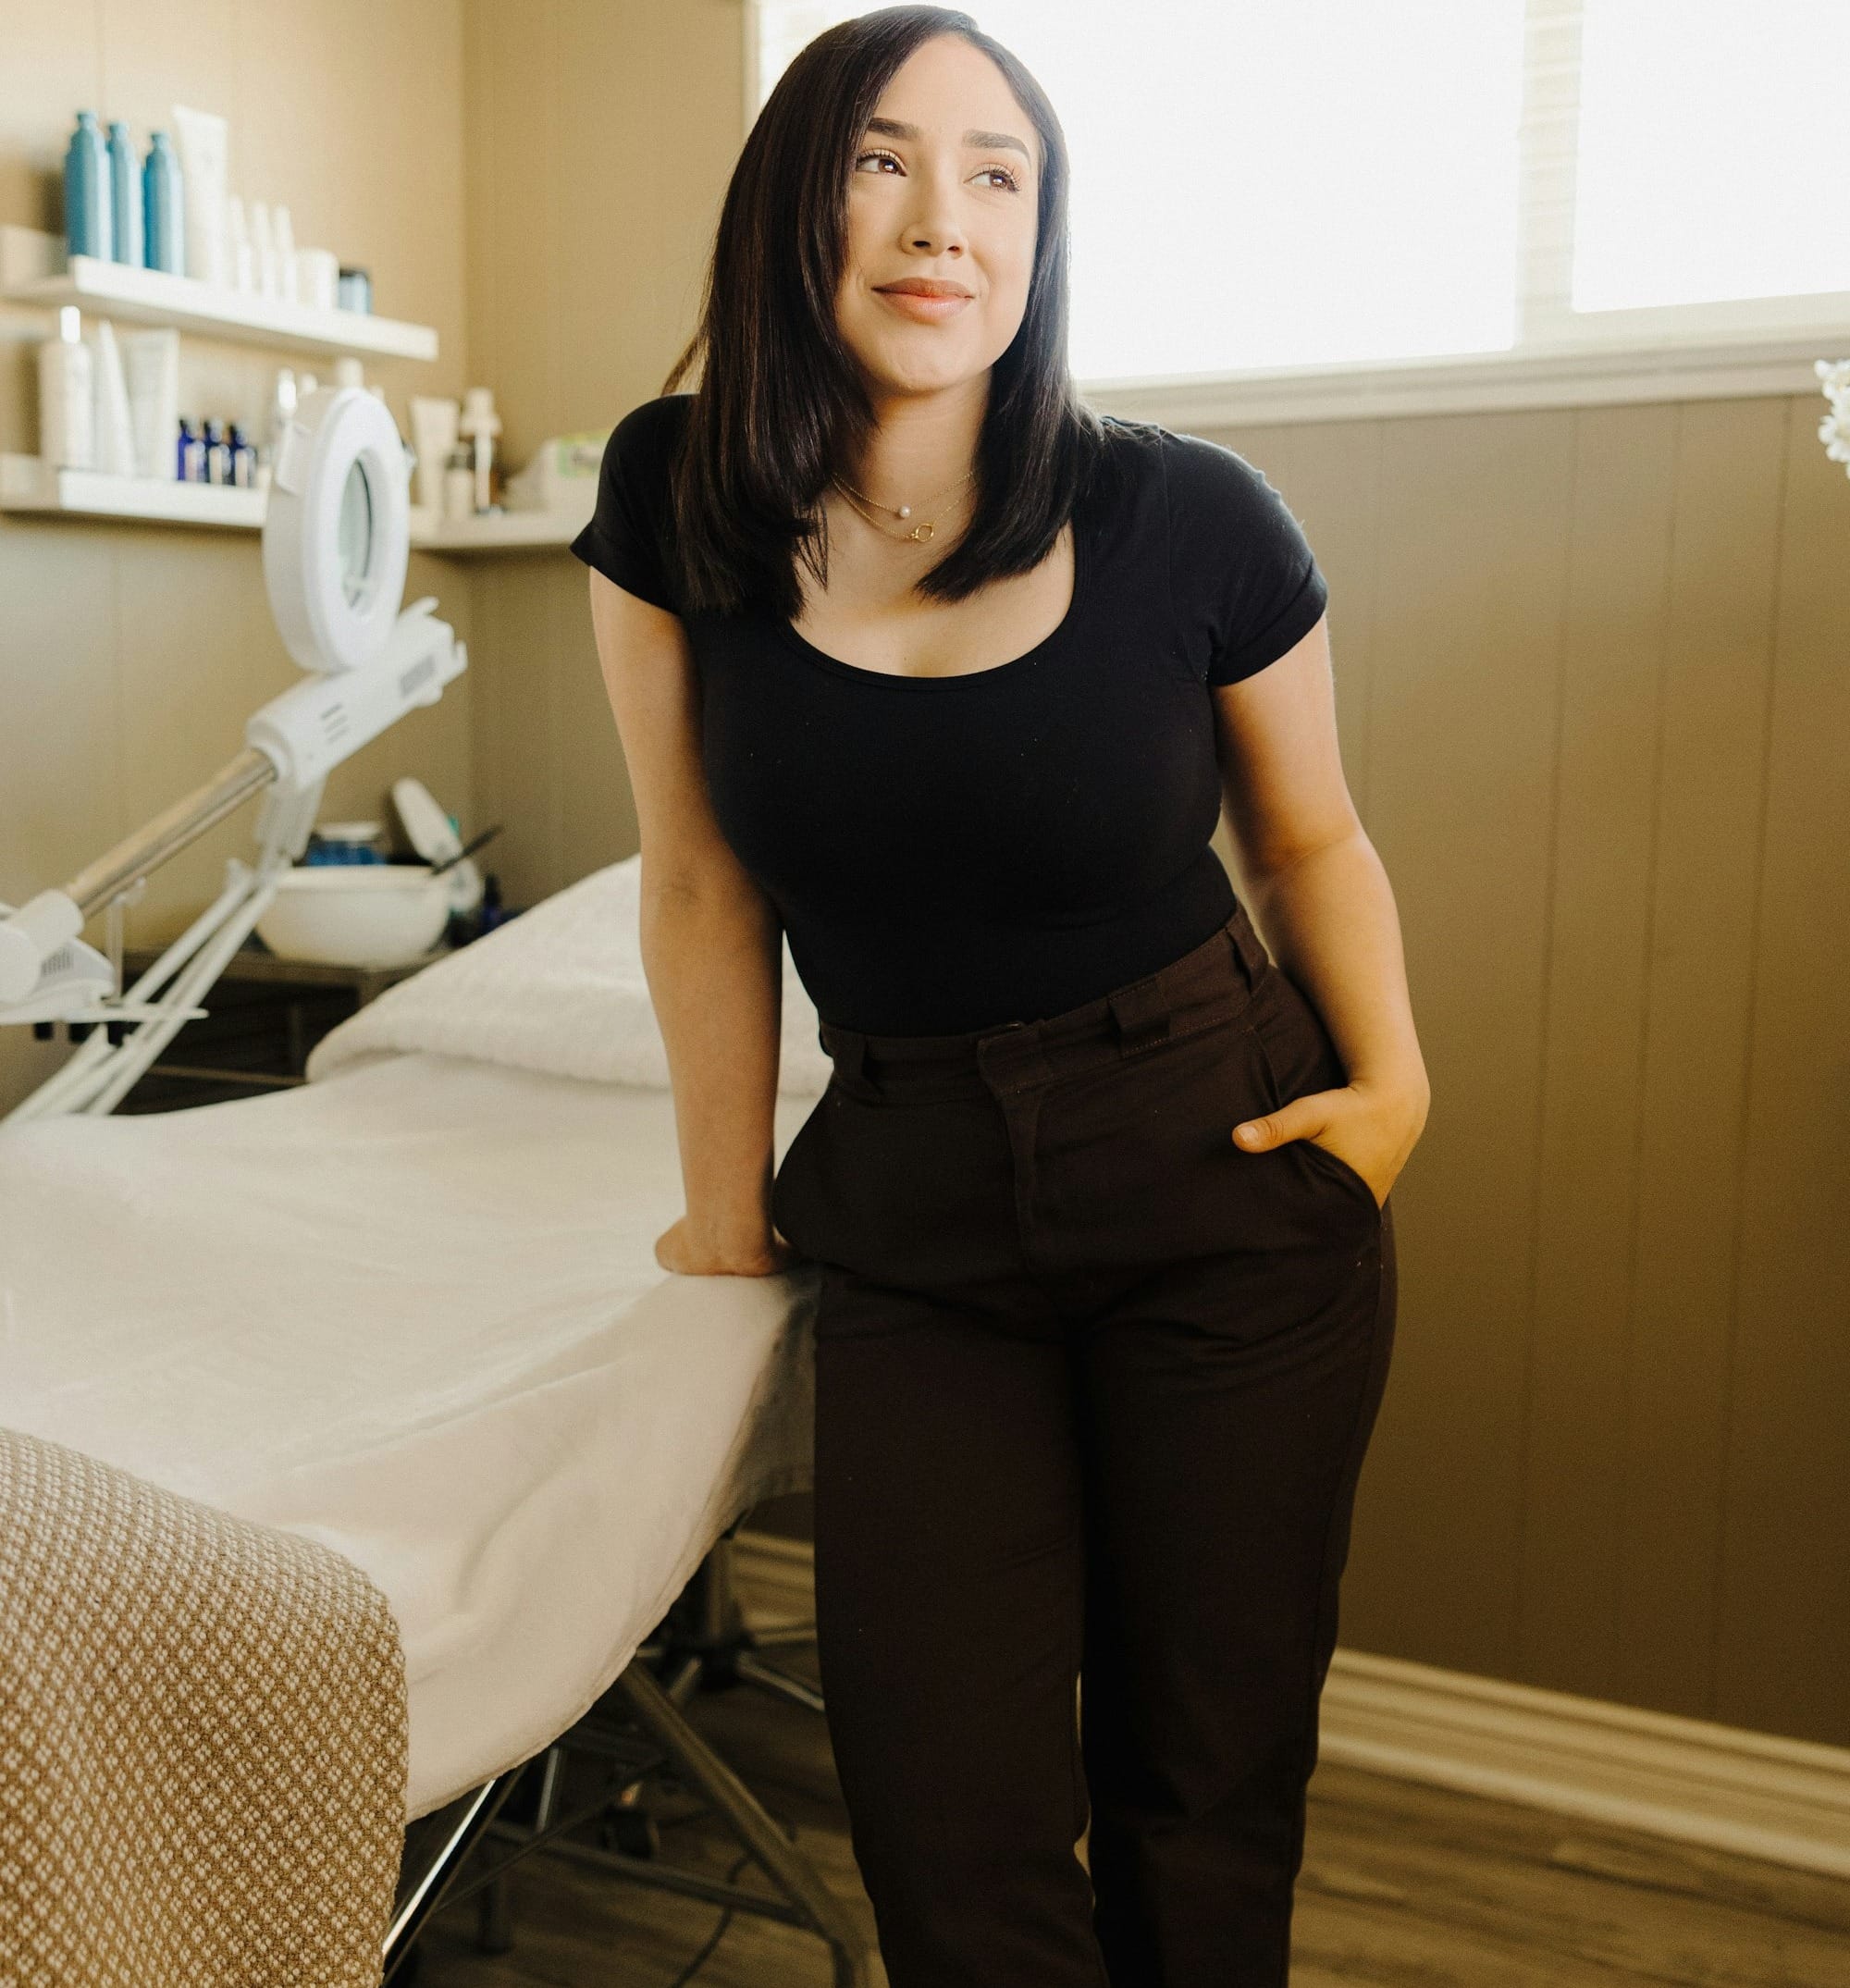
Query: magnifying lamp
[337, 530]
[337, 541]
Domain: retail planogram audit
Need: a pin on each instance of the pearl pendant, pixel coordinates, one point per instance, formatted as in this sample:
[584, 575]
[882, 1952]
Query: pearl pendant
[906, 510]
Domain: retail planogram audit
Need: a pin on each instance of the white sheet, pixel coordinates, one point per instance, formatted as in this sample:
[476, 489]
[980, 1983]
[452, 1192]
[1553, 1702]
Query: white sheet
[413, 1310]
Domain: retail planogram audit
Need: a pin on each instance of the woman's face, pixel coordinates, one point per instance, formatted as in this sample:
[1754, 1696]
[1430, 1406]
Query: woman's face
[942, 208]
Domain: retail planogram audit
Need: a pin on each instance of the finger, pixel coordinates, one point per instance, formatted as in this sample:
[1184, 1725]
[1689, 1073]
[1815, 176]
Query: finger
[1299, 1119]
[1257, 1134]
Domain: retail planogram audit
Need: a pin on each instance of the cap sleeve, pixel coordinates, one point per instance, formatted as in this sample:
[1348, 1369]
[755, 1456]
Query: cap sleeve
[1245, 583]
[630, 529]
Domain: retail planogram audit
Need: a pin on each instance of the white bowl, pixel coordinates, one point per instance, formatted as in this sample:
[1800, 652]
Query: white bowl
[356, 914]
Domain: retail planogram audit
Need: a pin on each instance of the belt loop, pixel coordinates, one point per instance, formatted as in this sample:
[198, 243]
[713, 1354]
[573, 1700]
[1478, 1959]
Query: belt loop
[1141, 1013]
[1247, 946]
[847, 1047]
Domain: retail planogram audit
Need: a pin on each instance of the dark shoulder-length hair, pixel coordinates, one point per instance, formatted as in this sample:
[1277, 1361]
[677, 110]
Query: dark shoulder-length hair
[781, 408]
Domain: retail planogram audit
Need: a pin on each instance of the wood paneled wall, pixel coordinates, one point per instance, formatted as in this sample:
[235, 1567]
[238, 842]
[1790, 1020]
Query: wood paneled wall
[1593, 675]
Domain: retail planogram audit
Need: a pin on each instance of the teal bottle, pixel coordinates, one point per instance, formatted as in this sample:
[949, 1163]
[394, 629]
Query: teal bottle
[163, 208]
[89, 229]
[125, 196]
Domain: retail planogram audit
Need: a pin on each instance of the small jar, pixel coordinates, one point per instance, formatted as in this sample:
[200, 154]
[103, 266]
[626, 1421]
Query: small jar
[345, 842]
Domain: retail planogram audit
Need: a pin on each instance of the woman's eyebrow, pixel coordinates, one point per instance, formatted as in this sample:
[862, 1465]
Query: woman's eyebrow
[975, 140]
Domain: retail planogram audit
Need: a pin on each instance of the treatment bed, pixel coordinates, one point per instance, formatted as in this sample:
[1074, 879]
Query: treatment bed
[411, 1310]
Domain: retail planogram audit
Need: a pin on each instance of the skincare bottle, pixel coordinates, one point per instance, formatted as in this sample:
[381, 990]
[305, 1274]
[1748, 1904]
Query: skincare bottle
[243, 460]
[190, 454]
[480, 424]
[264, 244]
[151, 359]
[282, 411]
[89, 229]
[125, 196]
[459, 485]
[218, 452]
[242, 256]
[163, 207]
[283, 229]
[202, 140]
[433, 429]
[66, 396]
[491, 911]
[114, 442]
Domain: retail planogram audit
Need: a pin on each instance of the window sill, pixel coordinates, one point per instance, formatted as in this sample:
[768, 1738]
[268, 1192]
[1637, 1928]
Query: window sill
[1477, 383]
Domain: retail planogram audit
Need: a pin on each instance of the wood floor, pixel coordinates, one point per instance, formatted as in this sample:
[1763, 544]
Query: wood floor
[1402, 1886]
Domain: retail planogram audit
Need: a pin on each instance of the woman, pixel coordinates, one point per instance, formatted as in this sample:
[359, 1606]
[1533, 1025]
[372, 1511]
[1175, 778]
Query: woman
[916, 659]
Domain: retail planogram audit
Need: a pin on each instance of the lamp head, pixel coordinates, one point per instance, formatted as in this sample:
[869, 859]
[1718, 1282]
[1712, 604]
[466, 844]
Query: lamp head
[337, 529]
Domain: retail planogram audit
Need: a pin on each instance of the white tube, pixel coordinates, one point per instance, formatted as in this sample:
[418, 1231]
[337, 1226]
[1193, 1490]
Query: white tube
[202, 138]
[115, 438]
[433, 435]
[152, 359]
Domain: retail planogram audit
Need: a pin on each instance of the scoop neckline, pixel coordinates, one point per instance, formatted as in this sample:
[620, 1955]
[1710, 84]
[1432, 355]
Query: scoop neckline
[961, 679]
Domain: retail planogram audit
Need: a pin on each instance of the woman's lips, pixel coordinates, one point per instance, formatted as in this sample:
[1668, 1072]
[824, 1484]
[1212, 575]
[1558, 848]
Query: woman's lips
[924, 303]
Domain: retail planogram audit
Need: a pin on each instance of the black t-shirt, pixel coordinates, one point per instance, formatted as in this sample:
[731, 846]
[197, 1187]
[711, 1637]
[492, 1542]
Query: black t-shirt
[951, 853]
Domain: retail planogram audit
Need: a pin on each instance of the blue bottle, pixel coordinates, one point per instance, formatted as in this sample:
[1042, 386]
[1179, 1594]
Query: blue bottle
[89, 229]
[125, 196]
[164, 208]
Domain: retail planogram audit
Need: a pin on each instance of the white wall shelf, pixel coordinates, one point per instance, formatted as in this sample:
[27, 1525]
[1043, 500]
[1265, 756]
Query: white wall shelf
[510, 531]
[34, 270]
[29, 484]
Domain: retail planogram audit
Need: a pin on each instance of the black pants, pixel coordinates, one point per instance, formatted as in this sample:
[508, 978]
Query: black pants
[1094, 1388]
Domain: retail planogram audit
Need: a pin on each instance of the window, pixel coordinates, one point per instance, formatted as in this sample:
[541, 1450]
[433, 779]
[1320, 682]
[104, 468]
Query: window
[1345, 191]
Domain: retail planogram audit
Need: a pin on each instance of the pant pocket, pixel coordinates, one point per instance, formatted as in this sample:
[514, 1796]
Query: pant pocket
[914, 1193]
[1299, 1058]
[1137, 1164]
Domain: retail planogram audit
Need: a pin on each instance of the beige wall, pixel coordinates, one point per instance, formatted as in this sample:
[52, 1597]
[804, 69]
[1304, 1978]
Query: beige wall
[1594, 697]
[601, 136]
[132, 655]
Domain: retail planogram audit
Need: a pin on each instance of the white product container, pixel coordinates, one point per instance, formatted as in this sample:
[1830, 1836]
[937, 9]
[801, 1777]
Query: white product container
[317, 277]
[152, 360]
[67, 396]
[283, 229]
[561, 475]
[202, 136]
[433, 434]
[356, 914]
[240, 257]
[115, 436]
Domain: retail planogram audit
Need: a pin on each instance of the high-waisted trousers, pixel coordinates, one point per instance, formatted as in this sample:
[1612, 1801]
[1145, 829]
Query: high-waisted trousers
[1093, 1386]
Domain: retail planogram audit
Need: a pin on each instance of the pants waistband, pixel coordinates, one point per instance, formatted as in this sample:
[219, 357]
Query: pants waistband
[1212, 982]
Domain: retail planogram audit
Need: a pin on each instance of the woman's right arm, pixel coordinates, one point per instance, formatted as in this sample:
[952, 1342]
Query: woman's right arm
[711, 949]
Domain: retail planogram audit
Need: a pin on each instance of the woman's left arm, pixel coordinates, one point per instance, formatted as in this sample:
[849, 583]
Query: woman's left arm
[1318, 894]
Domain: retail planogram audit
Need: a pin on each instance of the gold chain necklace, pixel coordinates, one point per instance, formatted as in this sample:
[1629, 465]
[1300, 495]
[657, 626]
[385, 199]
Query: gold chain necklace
[921, 532]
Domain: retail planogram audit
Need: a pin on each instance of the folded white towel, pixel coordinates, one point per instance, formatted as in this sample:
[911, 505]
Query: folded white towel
[560, 988]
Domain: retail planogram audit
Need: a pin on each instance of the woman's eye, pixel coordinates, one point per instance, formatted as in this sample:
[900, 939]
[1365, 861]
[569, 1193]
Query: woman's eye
[988, 171]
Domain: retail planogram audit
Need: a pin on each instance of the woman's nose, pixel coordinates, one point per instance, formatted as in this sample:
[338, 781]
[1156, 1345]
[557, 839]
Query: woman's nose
[933, 228]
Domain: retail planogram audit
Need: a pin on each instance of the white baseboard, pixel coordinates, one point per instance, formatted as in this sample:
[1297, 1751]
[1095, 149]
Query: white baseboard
[1688, 1780]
